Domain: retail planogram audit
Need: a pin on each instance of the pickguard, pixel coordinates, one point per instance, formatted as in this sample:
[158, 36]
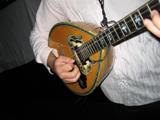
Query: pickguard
[75, 42]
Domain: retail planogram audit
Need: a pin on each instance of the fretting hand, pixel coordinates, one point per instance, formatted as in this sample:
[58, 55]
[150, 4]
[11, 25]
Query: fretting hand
[153, 25]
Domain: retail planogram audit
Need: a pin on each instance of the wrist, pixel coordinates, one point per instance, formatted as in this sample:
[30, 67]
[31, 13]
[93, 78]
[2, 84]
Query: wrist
[51, 60]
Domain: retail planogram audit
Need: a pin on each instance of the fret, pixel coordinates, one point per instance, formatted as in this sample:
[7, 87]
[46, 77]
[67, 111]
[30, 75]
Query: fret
[102, 41]
[90, 45]
[137, 18]
[85, 52]
[149, 8]
[131, 24]
[99, 42]
[110, 36]
[114, 34]
[89, 48]
[139, 14]
[154, 5]
[94, 46]
[97, 45]
[118, 31]
[80, 53]
[145, 12]
[83, 55]
[106, 38]
[124, 27]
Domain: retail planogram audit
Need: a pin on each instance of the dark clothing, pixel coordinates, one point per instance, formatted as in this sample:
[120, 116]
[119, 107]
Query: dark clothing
[30, 92]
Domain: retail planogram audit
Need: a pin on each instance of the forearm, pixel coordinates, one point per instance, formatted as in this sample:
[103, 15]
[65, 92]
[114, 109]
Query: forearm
[51, 60]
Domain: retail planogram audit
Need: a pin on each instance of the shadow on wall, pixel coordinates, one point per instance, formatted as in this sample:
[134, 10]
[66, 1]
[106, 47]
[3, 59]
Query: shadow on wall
[16, 22]
[4, 3]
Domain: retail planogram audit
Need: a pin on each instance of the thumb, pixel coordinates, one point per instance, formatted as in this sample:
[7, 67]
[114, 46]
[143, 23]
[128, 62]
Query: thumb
[65, 59]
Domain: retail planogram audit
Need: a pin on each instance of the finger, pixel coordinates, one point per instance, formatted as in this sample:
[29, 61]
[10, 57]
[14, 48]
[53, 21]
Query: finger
[151, 27]
[155, 18]
[64, 59]
[67, 67]
[72, 80]
[72, 75]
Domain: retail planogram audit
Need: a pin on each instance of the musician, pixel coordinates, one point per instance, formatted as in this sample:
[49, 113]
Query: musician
[133, 85]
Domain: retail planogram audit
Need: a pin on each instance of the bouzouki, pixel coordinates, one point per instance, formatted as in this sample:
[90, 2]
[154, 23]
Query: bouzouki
[93, 50]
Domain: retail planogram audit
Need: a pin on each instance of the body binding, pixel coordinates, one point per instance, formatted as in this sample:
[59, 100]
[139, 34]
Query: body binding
[102, 61]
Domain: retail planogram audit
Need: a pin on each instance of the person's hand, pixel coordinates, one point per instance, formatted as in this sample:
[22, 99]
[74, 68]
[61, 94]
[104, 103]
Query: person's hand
[65, 68]
[153, 25]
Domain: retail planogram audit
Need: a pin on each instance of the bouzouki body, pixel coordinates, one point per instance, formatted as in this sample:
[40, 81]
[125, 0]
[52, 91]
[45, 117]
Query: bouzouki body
[67, 38]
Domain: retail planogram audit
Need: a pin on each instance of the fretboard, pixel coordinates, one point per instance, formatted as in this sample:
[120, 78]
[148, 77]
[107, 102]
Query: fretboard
[131, 24]
[122, 30]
